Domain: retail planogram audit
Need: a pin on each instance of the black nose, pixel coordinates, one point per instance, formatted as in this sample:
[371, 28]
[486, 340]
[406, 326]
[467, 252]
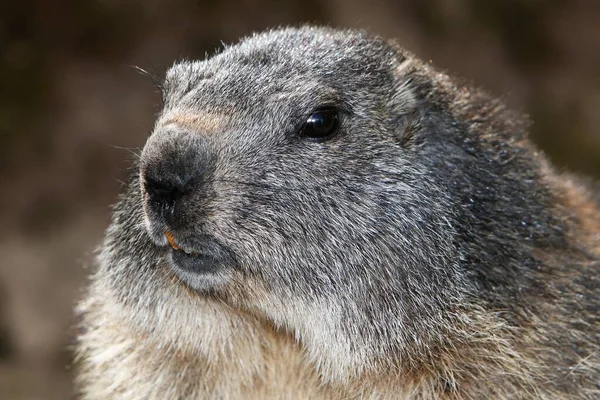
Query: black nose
[173, 166]
[165, 192]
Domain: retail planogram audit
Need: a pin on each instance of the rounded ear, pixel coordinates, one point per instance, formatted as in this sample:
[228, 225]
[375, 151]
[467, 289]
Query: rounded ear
[404, 103]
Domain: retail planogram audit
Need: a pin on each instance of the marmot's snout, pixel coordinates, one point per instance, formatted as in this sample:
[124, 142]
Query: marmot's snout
[174, 169]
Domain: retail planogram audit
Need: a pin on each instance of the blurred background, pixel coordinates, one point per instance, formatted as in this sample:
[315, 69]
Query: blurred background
[72, 107]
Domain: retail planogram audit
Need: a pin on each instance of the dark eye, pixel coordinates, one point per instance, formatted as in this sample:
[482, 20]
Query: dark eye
[321, 124]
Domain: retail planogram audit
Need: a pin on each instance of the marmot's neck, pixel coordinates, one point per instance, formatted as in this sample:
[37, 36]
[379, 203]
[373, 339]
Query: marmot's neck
[267, 363]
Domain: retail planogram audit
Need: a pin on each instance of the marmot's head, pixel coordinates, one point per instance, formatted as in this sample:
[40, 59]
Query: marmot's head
[300, 176]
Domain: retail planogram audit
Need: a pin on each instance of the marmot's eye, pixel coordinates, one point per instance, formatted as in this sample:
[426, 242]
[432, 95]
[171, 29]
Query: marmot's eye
[321, 124]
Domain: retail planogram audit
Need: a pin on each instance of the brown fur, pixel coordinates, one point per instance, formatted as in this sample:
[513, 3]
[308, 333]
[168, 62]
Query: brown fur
[195, 123]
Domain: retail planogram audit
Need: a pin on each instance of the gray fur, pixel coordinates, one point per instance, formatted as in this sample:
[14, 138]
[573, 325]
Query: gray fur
[428, 213]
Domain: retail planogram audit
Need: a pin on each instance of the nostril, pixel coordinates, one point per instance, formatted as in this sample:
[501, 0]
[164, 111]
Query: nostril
[165, 192]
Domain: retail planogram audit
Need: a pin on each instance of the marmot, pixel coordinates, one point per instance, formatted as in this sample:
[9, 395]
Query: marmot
[319, 214]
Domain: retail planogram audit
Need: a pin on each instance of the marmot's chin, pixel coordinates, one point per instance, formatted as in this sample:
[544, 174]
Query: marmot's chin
[198, 272]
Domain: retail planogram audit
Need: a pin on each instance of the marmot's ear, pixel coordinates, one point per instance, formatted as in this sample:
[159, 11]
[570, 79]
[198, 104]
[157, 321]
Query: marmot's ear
[404, 105]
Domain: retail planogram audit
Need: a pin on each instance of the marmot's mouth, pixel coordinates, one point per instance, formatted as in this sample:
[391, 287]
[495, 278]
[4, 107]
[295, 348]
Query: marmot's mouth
[177, 247]
[171, 240]
[198, 259]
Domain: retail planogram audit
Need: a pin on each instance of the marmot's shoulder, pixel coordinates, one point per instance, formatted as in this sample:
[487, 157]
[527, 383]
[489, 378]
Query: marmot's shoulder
[318, 213]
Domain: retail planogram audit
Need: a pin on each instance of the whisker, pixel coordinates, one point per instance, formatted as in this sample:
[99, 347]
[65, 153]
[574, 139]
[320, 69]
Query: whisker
[154, 77]
[136, 151]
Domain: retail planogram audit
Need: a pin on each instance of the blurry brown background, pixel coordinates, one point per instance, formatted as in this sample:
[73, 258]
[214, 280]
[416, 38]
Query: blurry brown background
[71, 106]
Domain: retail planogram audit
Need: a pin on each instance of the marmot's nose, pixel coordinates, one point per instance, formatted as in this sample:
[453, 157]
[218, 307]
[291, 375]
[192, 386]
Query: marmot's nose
[165, 192]
[173, 165]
